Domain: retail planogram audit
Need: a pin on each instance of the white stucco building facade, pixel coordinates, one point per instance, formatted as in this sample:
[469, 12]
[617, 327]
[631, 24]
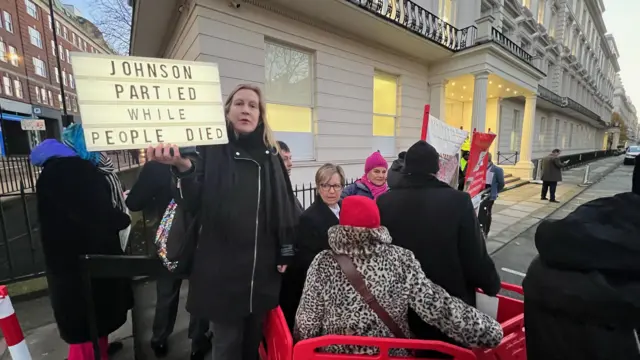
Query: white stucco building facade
[623, 105]
[346, 77]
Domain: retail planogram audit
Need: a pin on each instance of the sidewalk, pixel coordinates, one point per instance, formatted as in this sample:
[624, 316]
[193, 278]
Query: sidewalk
[517, 210]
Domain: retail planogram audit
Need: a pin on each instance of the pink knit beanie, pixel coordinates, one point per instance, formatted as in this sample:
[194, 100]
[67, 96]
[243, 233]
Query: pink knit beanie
[375, 160]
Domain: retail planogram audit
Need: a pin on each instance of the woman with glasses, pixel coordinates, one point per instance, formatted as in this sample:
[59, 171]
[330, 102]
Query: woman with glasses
[311, 237]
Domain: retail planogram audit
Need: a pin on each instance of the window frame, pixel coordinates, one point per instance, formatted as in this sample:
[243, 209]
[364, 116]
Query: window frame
[7, 85]
[14, 59]
[8, 21]
[32, 32]
[38, 98]
[17, 85]
[306, 153]
[394, 117]
[3, 51]
[31, 7]
[39, 64]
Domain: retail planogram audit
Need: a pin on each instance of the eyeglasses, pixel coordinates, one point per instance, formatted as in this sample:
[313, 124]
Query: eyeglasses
[335, 188]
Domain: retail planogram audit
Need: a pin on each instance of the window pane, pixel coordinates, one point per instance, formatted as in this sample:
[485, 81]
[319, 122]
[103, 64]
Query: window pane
[301, 144]
[288, 76]
[384, 125]
[385, 144]
[289, 118]
[384, 94]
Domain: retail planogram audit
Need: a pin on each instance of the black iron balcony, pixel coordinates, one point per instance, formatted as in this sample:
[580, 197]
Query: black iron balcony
[566, 102]
[415, 18]
[502, 40]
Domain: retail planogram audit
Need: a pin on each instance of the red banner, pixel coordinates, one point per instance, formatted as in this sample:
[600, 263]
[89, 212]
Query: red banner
[476, 171]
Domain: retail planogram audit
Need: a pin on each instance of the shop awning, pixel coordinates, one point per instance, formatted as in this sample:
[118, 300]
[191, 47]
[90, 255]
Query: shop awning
[13, 117]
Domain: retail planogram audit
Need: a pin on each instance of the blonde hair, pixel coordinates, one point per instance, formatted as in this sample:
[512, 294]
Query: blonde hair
[326, 171]
[269, 139]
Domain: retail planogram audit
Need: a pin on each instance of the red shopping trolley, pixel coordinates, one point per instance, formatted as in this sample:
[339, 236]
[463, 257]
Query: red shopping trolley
[510, 315]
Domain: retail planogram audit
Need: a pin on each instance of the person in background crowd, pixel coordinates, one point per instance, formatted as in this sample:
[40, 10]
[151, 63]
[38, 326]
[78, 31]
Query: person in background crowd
[312, 235]
[582, 292]
[374, 181]
[154, 191]
[462, 170]
[285, 154]
[636, 176]
[439, 225]
[393, 176]
[551, 174]
[81, 211]
[244, 199]
[331, 305]
[494, 182]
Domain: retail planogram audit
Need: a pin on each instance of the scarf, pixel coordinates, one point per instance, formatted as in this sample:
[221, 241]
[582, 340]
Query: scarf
[105, 166]
[73, 137]
[220, 176]
[376, 190]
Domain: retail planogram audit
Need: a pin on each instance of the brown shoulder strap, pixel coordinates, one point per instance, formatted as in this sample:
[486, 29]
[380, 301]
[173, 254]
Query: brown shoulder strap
[357, 281]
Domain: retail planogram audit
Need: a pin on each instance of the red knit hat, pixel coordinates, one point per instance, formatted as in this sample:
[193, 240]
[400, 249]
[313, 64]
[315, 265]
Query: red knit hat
[359, 211]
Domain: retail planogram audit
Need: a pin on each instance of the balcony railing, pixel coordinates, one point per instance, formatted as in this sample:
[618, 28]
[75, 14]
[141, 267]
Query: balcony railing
[566, 102]
[502, 40]
[415, 18]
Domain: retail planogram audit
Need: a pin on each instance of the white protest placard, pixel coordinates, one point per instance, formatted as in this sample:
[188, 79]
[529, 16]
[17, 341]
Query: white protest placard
[131, 102]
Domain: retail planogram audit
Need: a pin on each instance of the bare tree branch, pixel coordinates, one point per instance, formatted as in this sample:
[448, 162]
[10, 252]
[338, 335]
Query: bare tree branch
[113, 18]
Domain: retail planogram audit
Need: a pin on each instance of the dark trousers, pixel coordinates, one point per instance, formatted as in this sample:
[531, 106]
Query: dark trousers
[238, 340]
[168, 297]
[551, 187]
[484, 217]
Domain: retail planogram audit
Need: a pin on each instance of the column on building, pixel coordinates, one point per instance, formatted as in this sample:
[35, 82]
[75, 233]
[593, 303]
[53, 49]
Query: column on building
[493, 123]
[524, 165]
[437, 103]
[479, 107]
[616, 140]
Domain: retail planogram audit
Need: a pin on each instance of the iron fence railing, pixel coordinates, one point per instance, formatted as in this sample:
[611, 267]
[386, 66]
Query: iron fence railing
[574, 160]
[21, 256]
[17, 171]
[507, 158]
[567, 102]
[415, 18]
[502, 40]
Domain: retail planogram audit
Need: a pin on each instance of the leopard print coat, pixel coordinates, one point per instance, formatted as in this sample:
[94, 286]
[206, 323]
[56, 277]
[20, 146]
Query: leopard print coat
[330, 305]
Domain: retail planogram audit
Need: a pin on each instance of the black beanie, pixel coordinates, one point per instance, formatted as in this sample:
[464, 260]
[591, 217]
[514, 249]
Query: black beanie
[421, 158]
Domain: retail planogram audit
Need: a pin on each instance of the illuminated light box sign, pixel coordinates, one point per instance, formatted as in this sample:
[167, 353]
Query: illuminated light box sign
[131, 102]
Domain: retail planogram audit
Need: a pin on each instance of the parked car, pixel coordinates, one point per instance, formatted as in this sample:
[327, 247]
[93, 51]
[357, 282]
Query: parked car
[630, 156]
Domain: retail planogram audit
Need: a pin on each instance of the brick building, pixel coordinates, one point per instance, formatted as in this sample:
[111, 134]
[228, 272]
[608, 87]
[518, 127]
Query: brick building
[29, 75]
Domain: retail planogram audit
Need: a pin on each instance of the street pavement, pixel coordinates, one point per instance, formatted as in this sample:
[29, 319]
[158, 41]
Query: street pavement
[516, 215]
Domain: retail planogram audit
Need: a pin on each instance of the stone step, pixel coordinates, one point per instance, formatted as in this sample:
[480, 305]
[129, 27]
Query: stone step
[511, 179]
[515, 184]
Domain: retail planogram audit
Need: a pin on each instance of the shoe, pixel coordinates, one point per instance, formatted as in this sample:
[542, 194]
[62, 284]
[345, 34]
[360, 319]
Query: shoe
[554, 201]
[160, 349]
[203, 350]
[544, 198]
[114, 347]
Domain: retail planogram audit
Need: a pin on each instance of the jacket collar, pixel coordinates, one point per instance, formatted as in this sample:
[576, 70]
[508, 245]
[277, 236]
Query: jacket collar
[358, 242]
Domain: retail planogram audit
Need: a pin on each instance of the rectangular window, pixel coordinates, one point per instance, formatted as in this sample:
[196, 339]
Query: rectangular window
[8, 87]
[8, 23]
[13, 56]
[34, 36]
[38, 98]
[447, 11]
[61, 50]
[3, 51]
[53, 48]
[84, 46]
[556, 133]
[44, 95]
[31, 8]
[564, 134]
[49, 19]
[57, 27]
[66, 51]
[289, 97]
[18, 86]
[60, 101]
[385, 109]
[50, 98]
[72, 84]
[571, 135]
[65, 33]
[39, 67]
[515, 131]
[55, 70]
[64, 77]
[74, 39]
[542, 131]
[541, 6]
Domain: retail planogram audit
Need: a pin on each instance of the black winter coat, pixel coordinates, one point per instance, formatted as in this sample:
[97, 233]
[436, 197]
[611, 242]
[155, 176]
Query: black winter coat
[153, 190]
[439, 225]
[582, 293]
[77, 218]
[234, 277]
[311, 239]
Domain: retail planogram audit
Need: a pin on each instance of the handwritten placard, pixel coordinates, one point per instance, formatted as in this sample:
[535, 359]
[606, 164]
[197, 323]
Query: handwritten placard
[132, 102]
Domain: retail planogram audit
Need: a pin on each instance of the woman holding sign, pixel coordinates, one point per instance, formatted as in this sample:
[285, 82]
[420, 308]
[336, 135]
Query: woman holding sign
[243, 196]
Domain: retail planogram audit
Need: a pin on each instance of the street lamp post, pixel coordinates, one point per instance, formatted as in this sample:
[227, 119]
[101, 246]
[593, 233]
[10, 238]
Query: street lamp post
[66, 118]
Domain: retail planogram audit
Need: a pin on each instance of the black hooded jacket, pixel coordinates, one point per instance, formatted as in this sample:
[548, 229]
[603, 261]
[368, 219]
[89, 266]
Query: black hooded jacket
[582, 293]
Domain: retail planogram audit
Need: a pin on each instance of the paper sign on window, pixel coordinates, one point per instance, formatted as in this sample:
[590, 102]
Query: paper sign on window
[132, 103]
